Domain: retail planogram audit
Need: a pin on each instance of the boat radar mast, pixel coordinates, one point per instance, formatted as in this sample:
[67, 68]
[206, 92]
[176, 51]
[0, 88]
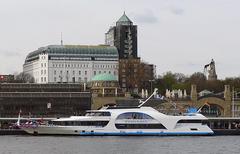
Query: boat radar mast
[143, 102]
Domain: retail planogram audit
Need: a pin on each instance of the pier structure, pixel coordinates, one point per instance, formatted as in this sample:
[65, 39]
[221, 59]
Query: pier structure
[43, 100]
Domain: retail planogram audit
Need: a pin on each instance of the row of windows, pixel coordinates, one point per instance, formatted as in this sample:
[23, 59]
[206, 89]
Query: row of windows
[73, 79]
[43, 72]
[140, 126]
[73, 72]
[98, 114]
[43, 79]
[80, 72]
[80, 123]
[83, 65]
[43, 65]
[43, 57]
[134, 115]
[190, 121]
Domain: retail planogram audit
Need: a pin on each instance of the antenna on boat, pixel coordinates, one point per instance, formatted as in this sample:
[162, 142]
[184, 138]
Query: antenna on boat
[143, 102]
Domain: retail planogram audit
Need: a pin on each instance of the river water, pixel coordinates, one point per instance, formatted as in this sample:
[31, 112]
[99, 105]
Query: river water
[119, 145]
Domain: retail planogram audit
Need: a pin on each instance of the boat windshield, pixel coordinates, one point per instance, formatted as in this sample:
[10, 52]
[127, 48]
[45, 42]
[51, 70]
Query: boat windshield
[98, 114]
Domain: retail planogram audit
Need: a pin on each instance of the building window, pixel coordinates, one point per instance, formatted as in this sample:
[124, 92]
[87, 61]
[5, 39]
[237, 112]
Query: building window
[85, 79]
[79, 72]
[45, 65]
[55, 79]
[45, 79]
[41, 79]
[94, 72]
[109, 72]
[41, 64]
[99, 72]
[55, 72]
[85, 72]
[61, 72]
[41, 72]
[73, 79]
[45, 72]
[79, 79]
[104, 72]
[73, 72]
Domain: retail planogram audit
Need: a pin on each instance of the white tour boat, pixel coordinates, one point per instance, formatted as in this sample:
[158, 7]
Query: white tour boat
[139, 120]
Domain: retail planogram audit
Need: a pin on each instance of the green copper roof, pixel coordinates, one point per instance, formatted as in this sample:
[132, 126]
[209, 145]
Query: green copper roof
[85, 51]
[104, 77]
[124, 20]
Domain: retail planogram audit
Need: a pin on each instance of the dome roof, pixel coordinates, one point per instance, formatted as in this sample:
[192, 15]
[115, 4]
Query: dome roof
[104, 77]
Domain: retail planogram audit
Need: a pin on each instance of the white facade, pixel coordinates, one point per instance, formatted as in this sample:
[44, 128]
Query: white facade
[53, 68]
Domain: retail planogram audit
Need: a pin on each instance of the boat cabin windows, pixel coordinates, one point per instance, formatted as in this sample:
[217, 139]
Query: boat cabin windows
[134, 115]
[140, 126]
[98, 114]
[80, 123]
[189, 121]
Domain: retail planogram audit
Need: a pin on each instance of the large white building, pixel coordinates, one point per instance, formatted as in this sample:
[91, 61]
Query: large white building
[71, 63]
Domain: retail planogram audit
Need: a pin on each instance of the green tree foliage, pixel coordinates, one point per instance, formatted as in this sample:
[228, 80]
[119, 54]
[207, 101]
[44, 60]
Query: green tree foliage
[172, 81]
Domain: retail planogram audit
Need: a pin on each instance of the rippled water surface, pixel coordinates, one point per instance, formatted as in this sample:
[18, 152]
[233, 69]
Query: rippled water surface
[118, 145]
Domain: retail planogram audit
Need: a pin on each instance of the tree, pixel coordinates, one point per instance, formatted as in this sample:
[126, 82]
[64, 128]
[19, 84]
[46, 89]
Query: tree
[198, 79]
[169, 80]
[24, 78]
[180, 77]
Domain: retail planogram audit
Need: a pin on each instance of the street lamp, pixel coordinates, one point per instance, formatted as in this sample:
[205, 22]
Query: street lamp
[151, 81]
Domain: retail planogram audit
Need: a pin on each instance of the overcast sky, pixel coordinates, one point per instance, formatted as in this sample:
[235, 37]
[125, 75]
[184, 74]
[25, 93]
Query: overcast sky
[175, 35]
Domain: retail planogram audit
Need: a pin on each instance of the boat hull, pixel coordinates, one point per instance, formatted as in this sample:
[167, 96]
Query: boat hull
[46, 130]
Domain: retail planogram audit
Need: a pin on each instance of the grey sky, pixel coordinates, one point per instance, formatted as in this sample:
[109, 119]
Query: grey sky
[176, 35]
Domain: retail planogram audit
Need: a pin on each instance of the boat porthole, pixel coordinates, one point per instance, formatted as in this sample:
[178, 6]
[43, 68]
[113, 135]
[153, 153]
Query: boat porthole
[75, 131]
